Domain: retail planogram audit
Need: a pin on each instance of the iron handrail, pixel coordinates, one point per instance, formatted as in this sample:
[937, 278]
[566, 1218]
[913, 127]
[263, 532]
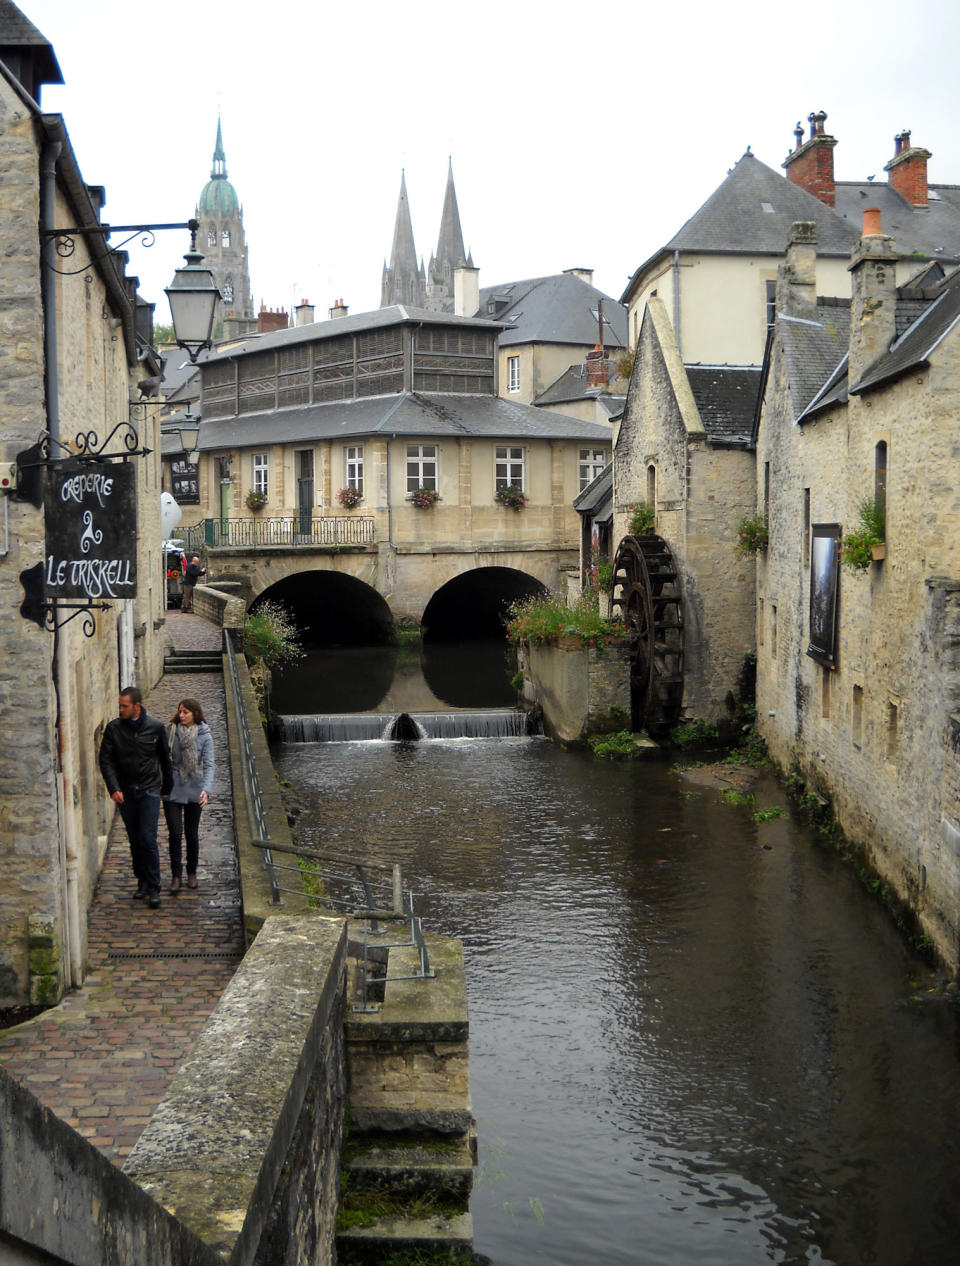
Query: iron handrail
[275, 530]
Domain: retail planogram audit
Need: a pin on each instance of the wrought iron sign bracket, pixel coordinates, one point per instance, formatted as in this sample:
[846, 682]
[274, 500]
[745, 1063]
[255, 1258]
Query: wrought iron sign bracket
[44, 611]
[64, 240]
[86, 447]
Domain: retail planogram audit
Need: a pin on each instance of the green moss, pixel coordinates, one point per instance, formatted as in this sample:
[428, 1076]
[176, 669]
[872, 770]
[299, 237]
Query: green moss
[619, 746]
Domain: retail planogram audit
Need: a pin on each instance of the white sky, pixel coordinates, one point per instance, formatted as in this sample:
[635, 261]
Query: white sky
[581, 136]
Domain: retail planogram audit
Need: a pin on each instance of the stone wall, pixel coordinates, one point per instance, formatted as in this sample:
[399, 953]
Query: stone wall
[873, 733]
[581, 690]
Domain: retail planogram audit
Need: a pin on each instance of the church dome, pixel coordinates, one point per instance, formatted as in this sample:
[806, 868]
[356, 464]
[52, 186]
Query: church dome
[219, 198]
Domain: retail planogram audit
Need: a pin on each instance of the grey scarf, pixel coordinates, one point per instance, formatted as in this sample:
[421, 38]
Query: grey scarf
[189, 760]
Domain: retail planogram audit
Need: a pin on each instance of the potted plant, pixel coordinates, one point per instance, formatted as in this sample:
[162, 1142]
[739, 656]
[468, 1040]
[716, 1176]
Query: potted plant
[512, 496]
[349, 497]
[752, 535]
[424, 498]
[867, 544]
[256, 500]
[640, 519]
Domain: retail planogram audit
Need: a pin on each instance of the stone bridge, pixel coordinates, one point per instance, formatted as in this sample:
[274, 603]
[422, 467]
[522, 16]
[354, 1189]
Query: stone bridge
[405, 584]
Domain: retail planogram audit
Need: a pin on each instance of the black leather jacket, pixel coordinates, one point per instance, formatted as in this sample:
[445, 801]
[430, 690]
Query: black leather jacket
[135, 758]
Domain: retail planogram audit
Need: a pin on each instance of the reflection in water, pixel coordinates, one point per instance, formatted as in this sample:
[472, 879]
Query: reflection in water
[691, 1039]
[394, 679]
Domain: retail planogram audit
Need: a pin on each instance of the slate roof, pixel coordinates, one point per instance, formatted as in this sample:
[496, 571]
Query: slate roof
[726, 397]
[572, 385]
[396, 314]
[933, 230]
[557, 309]
[597, 498]
[17, 32]
[814, 343]
[479, 417]
[751, 213]
[914, 348]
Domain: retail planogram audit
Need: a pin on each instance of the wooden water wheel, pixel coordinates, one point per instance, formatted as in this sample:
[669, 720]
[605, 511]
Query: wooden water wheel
[646, 589]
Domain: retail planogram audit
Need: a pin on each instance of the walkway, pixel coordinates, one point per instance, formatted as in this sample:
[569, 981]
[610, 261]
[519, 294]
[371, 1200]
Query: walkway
[105, 1056]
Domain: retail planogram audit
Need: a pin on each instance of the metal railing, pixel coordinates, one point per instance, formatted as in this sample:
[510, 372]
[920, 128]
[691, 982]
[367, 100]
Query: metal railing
[368, 891]
[287, 530]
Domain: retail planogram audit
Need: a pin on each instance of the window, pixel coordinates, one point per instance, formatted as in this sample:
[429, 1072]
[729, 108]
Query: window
[211, 236]
[421, 466]
[771, 302]
[353, 467]
[806, 527]
[857, 715]
[880, 477]
[652, 487]
[225, 238]
[260, 473]
[773, 631]
[592, 461]
[513, 373]
[509, 467]
[893, 729]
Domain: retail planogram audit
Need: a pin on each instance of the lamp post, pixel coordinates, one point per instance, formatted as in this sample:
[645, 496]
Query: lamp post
[189, 430]
[193, 298]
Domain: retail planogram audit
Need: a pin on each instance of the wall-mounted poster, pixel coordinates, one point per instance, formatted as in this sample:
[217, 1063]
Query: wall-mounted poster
[824, 592]
[184, 483]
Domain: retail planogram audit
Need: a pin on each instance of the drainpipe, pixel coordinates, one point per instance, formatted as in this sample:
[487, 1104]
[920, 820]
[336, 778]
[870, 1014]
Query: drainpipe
[676, 301]
[67, 780]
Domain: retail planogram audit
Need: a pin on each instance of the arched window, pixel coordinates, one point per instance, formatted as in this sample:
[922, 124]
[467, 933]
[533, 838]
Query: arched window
[226, 291]
[652, 486]
[225, 237]
[212, 235]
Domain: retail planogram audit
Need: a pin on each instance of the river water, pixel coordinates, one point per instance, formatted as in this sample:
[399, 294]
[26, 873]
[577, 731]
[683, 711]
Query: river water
[694, 1038]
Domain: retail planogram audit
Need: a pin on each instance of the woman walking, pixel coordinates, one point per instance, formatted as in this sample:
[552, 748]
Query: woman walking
[191, 752]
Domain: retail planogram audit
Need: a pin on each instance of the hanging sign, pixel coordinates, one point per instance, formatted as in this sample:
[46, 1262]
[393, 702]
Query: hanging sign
[90, 521]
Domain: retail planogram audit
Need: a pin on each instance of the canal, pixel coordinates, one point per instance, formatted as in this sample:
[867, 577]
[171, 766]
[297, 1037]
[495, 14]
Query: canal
[695, 1037]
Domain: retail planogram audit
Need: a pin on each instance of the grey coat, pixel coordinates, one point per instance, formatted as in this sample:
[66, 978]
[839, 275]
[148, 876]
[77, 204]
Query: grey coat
[187, 790]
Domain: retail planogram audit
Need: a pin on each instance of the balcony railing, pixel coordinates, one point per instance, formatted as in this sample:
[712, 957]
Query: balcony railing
[250, 533]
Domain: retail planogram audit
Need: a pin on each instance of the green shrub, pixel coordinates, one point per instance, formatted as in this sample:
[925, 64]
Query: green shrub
[619, 746]
[270, 635]
[695, 733]
[856, 547]
[753, 535]
[640, 519]
[547, 618]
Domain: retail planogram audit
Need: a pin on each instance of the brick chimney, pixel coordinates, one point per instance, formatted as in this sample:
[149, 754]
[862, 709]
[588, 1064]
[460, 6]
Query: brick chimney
[596, 365]
[339, 309]
[810, 165]
[304, 313]
[797, 275]
[873, 295]
[270, 320]
[907, 171]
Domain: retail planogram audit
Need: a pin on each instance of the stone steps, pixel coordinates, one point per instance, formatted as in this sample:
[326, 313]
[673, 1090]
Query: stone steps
[409, 1160]
[177, 661]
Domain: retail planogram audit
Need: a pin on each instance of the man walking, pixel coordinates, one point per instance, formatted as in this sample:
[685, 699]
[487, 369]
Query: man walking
[135, 764]
[193, 573]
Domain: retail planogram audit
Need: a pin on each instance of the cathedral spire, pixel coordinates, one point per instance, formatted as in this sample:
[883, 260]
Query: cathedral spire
[219, 167]
[450, 253]
[403, 280]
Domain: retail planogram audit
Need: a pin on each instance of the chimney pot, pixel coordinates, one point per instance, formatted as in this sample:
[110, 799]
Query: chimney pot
[872, 225]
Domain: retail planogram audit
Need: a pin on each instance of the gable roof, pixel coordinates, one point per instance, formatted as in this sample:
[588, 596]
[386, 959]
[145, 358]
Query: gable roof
[750, 213]
[597, 498]
[915, 347]
[726, 397]
[557, 309]
[27, 53]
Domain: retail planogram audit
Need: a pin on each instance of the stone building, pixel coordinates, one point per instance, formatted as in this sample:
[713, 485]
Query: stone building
[223, 244]
[70, 361]
[370, 408]
[857, 670]
[684, 448]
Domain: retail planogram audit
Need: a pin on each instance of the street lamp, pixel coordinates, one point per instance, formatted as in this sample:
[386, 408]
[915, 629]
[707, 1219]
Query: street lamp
[189, 430]
[193, 297]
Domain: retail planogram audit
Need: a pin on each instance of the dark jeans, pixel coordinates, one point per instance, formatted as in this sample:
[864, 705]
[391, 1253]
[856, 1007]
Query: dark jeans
[140, 816]
[183, 819]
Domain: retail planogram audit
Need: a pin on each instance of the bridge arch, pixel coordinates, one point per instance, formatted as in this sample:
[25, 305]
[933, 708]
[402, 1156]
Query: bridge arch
[332, 608]
[475, 603]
